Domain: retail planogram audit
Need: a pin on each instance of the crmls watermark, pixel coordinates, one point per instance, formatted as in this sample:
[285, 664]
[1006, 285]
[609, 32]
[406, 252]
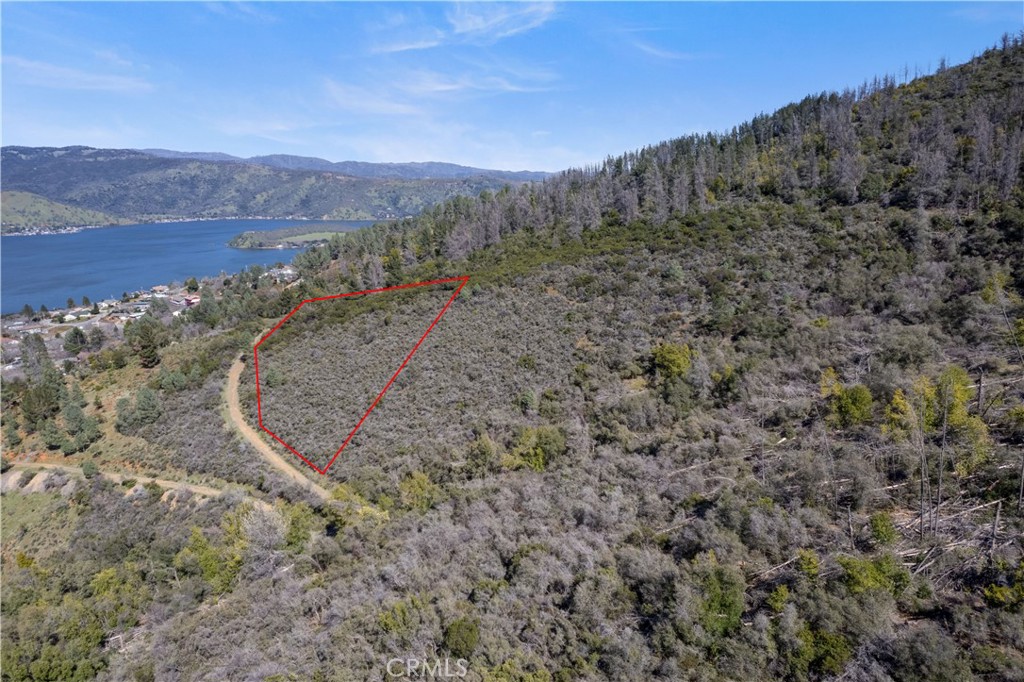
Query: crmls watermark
[437, 668]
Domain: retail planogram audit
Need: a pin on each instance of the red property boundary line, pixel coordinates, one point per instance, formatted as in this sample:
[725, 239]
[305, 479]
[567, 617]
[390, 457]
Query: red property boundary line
[352, 433]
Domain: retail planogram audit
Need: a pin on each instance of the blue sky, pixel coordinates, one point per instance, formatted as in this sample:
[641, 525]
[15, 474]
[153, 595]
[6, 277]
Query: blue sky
[510, 86]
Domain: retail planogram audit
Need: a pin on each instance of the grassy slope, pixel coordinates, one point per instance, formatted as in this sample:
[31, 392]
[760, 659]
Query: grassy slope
[24, 210]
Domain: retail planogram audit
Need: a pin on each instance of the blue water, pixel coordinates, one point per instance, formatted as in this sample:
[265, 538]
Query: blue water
[105, 262]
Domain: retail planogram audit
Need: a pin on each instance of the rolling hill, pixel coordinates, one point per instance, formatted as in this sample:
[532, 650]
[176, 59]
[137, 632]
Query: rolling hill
[21, 210]
[136, 186]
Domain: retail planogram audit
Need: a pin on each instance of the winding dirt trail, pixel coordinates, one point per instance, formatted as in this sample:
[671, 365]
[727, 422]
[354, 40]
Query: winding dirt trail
[237, 420]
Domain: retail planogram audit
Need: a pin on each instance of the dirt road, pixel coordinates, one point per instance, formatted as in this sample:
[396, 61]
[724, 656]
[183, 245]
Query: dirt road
[237, 420]
[203, 490]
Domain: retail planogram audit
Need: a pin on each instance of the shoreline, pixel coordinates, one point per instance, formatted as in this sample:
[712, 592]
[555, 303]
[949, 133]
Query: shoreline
[37, 232]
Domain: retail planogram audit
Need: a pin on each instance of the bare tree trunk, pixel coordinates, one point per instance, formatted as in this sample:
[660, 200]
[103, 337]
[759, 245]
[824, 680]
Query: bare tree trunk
[942, 464]
[1020, 492]
[981, 389]
[919, 442]
[924, 478]
[995, 529]
[1009, 327]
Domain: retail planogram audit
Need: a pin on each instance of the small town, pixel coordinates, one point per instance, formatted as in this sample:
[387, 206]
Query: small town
[102, 322]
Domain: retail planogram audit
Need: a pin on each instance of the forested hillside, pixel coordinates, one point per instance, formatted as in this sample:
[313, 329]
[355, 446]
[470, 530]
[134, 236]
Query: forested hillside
[126, 184]
[363, 169]
[745, 405]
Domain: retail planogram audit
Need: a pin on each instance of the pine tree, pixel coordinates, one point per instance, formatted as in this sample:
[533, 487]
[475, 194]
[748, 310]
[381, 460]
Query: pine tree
[75, 341]
[147, 406]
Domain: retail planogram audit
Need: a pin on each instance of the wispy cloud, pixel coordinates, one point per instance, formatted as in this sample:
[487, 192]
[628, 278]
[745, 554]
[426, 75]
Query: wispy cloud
[47, 75]
[363, 100]
[267, 128]
[489, 23]
[407, 45]
[662, 53]
[241, 10]
[426, 82]
[472, 23]
[113, 58]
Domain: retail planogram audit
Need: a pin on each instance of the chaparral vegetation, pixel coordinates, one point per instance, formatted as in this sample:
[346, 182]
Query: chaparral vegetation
[733, 406]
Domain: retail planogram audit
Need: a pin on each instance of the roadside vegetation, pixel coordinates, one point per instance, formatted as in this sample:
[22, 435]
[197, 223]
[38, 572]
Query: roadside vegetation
[738, 406]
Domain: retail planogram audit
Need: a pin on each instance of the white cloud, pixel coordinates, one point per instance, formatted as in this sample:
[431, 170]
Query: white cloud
[113, 58]
[47, 75]
[662, 53]
[426, 82]
[361, 100]
[268, 128]
[241, 10]
[491, 22]
[419, 38]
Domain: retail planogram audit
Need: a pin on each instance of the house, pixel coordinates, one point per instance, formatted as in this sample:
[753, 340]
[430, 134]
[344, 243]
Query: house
[160, 289]
[285, 273]
[192, 299]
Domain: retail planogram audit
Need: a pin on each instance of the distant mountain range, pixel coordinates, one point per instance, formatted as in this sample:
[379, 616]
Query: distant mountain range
[57, 188]
[428, 170]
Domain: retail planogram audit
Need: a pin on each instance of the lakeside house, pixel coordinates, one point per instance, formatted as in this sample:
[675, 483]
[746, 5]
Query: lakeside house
[284, 274]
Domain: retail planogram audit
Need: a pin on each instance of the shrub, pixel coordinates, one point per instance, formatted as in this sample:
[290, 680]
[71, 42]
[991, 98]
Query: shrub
[778, 598]
[461, 637]
[418, 492]
[89, 469]
[882, 529]
[526, 402]
[482, 454]
[671, 360]
[882, 573]
[847, 406]
[536, 447]
[808, 563]
[723, 596]
[146, 410]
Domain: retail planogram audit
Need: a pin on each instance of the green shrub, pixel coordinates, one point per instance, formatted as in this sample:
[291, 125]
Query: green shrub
[671, 360]
[883, 573]
[777, 599]
[723, 588]
[526, 402]
[847, 406]
[808, 563]
[536, 447]
[418, 492]
[461, 637]
[882, 529]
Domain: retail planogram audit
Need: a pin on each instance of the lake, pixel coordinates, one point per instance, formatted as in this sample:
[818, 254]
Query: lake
[105, 262]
